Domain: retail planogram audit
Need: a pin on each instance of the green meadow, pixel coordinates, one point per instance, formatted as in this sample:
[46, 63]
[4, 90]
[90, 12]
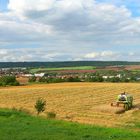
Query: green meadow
[18, 125]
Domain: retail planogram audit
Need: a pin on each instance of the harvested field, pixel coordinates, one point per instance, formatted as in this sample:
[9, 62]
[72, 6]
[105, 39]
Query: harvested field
[80, 102]
[22, 80]
[133, 67]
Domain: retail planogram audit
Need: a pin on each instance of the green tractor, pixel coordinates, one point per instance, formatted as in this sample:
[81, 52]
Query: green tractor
[124, 99]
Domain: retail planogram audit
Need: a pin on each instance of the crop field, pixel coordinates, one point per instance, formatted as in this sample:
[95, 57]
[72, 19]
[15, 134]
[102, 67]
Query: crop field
[86, 69]
[87, 103]
[34, 70]
[22, 80]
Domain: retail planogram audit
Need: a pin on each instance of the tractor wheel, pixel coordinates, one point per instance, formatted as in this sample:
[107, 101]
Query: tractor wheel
[129, 106]
[126, 106]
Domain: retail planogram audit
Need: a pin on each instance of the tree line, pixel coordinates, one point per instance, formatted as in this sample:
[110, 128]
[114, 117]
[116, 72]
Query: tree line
[81, 79]
[65, 64]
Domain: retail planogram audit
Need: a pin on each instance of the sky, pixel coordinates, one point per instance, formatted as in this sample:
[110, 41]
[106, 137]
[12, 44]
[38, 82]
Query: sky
[69, 30]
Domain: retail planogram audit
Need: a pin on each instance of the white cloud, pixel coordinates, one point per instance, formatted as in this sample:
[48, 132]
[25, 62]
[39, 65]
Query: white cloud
[3, 52]
[13, 30]
[102, 55]
[131, 53]
[92, 55]
[22, 54]
[107, 54]
[79, 18]
[42, 54]
[72, 15]
[68, 26]
[112, 56]
[27, 5]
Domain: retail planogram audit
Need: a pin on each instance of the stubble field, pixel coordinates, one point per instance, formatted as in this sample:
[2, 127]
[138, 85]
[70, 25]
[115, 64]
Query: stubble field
[79, 102]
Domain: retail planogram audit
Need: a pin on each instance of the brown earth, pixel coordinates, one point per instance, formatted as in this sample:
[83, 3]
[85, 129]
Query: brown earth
[22, 80]
[133, 67]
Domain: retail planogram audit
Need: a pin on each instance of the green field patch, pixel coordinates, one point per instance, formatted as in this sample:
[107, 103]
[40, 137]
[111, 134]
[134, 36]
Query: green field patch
[22, 126]
[35, 70]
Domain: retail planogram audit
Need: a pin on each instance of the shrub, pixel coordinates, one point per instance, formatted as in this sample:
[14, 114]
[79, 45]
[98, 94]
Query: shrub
[73, 79]
[51, 115]
[51, 79]
[114, 79]
[40, 106]
[8, 80]
[99, 79]
[32, 79]
[57, 80]
[133, 79]
[43, 79]
[16, 83]
[94, 79]
[124, 79]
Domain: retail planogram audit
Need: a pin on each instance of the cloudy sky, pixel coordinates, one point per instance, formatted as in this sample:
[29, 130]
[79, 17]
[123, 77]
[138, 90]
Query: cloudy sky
[69, 30]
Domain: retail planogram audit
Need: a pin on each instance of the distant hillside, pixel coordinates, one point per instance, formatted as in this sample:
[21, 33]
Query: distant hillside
[65, 64]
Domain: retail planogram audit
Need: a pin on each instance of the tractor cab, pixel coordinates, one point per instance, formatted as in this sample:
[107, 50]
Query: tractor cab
[122, 97]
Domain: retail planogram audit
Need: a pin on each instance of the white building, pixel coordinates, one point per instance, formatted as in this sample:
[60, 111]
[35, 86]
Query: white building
[27, 75]
[39, 74]
[105, 77]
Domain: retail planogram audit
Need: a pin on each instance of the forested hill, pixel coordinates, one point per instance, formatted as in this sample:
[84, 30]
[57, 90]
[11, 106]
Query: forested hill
[65, 64]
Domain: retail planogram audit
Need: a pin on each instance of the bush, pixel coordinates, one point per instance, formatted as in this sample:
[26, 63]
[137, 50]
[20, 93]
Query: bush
[133, 79]
[114, 79]
[32, 79]
[99, 79]
[51, 115]
[124, 79]
[43, 79]
[8, 80]
[50, 80]
[73, 79]
[94, 79]
[40, 106]
[55, 80]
